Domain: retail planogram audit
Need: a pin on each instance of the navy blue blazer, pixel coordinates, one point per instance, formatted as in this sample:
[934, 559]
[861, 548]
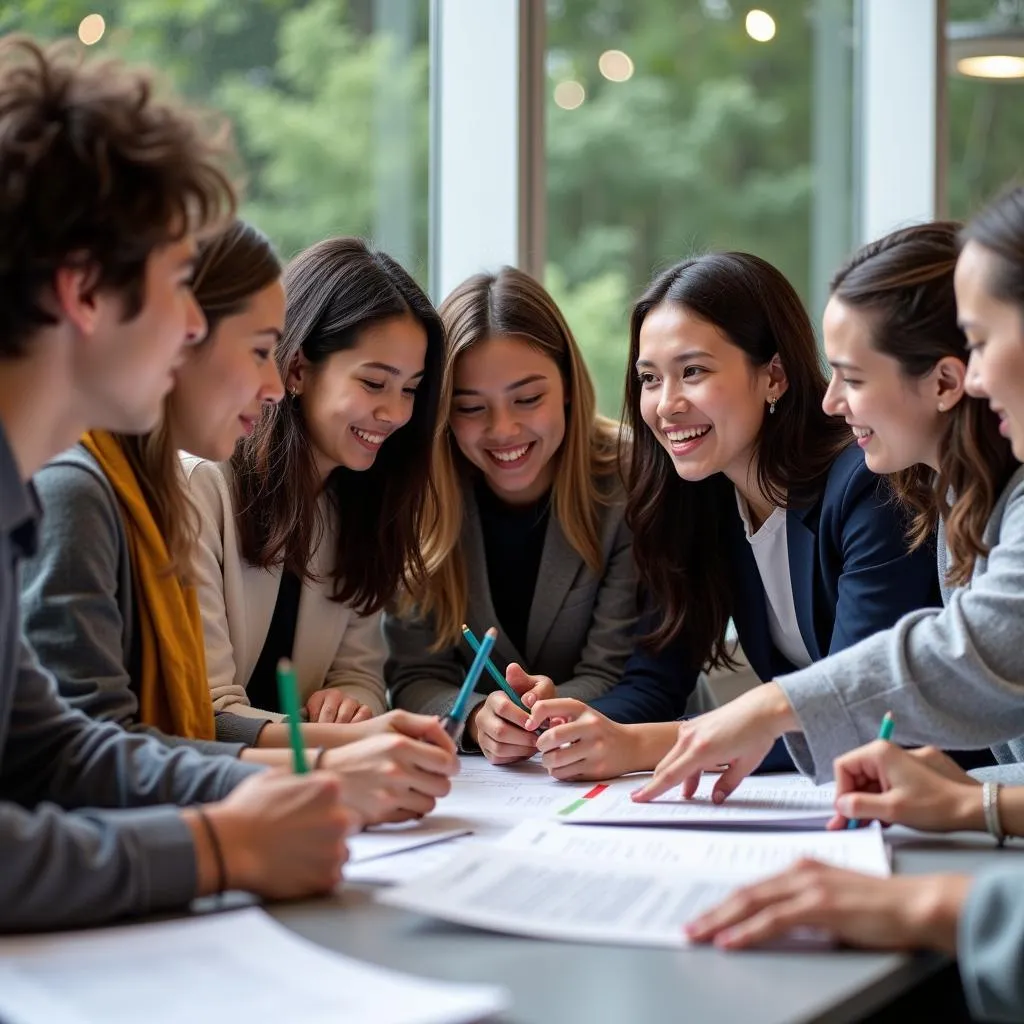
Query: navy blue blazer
[851, 573]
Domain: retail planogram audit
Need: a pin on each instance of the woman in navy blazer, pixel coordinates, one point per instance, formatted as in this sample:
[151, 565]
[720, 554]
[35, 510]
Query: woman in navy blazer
[746, 501]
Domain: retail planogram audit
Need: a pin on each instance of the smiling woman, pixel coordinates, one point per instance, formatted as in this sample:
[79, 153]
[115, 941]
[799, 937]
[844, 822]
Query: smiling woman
[746, 502]
[314, 523]
[528, 533]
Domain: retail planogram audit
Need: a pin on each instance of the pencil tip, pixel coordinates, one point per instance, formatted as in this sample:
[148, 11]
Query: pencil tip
[491, 632]
[465, 628]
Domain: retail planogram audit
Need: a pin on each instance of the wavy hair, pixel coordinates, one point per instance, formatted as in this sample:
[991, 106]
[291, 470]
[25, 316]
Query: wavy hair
[335, 290]
[512, 304]
[679, 526]
[904, 284]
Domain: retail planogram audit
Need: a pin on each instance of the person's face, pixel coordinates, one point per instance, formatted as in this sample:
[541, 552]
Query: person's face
[223, 383]
[897, 420]
[357, 398]
[128, 368]
[508, 416]
[995, 336]
[700, 395]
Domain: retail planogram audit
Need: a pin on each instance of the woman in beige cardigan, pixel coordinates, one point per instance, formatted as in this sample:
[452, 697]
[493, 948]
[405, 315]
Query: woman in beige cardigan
[312, 526]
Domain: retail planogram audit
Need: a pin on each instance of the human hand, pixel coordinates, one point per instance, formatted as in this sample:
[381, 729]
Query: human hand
[332, 705]
[737, 735]
[497, 725]
[588, 745]
[901, 912]
[392, 778]
[921, 788]
[283, 835]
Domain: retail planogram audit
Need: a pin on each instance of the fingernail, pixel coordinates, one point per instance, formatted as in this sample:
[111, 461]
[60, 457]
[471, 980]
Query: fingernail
[530, 699]
[717, 797]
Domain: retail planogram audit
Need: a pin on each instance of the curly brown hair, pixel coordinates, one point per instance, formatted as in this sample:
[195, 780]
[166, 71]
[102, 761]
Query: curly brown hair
[95, 171]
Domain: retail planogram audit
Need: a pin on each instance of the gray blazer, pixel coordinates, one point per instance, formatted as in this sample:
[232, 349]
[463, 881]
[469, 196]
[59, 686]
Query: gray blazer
[953, 677]
[579, 632]
[990, 945]
[78, 603]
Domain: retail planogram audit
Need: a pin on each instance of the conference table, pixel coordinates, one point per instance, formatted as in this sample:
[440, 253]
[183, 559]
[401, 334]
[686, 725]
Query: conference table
[567, 983]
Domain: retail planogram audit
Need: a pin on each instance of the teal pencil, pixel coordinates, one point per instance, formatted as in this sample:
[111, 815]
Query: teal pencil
[288, 692]
[495, 674]
[884, 733]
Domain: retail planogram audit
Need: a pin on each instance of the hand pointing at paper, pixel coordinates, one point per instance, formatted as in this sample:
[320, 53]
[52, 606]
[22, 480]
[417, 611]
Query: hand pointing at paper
[739, 735]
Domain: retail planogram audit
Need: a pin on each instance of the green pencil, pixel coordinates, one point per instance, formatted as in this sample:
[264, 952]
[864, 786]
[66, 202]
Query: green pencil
[884, 733]
[494, 673]
[288, 692]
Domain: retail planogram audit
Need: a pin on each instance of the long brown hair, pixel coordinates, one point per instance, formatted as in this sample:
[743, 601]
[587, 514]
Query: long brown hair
[679, 526]
[999, 227]
[230, 269]
[335, 290]
[904, 282]
[512, 304]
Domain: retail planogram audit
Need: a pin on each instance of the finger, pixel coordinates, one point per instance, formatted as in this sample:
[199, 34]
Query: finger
[508, 751]
[329, 708]
[571, 732]
[869, 806]
[743, 904]
[730, 779]
[416, 804]
[853, 771]
[314, 704]
[773, 922]
[562, 757]
[501, 707]
[428, 784]
[347, 708]
[430, 758]
[520, 680]
[563, 707]
[364, 714]
[500, 731]
[423, 727]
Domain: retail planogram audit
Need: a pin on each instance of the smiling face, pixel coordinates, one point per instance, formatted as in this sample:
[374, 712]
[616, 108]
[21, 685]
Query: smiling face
[358, 397]
[995, 335]
[701, 396]
[897, 420]
[508, 416]
[224, 383]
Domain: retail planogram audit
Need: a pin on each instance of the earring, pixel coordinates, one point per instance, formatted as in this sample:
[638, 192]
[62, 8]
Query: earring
[293, 391]
[771, 407]
[942, 406]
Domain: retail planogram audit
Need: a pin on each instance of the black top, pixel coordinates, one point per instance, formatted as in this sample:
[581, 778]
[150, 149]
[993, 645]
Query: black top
[513, 545]
[262, 687]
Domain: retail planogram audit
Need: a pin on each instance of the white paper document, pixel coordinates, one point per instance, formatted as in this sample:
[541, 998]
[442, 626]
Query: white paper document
[389, 840]
[759, 801]
[237, 966]
[622, 886]
[492, 798]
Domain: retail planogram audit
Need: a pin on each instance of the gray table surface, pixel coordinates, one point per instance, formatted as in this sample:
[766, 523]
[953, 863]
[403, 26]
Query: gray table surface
[566, 983]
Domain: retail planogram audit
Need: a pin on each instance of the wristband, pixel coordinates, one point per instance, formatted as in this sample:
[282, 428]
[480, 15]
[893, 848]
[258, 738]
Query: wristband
[990, 805]
[218, 851]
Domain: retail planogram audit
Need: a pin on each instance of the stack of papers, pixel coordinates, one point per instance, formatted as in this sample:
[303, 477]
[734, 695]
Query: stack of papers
[617, 885]
[237, 966]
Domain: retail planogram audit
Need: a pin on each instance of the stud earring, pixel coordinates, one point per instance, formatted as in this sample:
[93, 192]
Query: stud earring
[942, 406]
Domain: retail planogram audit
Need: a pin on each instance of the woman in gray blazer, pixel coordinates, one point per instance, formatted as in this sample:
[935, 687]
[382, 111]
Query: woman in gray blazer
[528, 534]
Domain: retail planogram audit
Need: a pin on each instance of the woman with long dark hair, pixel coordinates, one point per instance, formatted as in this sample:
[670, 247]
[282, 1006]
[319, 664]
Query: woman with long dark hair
[746, 501]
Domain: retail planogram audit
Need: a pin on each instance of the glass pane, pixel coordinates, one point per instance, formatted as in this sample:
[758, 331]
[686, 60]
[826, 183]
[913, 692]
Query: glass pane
[329, 101]
[671, 129]
[985, 117]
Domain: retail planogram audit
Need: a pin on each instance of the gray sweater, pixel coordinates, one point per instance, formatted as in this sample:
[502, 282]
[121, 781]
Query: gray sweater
[78, 604]
[62, 869]
[990, 945]
[953, 677]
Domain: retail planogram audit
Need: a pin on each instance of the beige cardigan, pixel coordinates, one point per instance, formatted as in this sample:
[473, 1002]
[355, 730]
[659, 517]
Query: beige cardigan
[334, 645]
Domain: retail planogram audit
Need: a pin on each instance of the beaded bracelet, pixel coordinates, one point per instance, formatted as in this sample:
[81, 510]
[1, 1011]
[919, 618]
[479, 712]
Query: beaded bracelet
[990, 805]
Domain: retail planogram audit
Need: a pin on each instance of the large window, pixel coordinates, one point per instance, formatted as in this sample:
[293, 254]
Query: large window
[985, 115]
[679, 125]
[329, 100]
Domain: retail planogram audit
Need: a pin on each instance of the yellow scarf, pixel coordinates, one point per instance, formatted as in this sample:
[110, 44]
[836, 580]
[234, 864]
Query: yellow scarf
[173, 692]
